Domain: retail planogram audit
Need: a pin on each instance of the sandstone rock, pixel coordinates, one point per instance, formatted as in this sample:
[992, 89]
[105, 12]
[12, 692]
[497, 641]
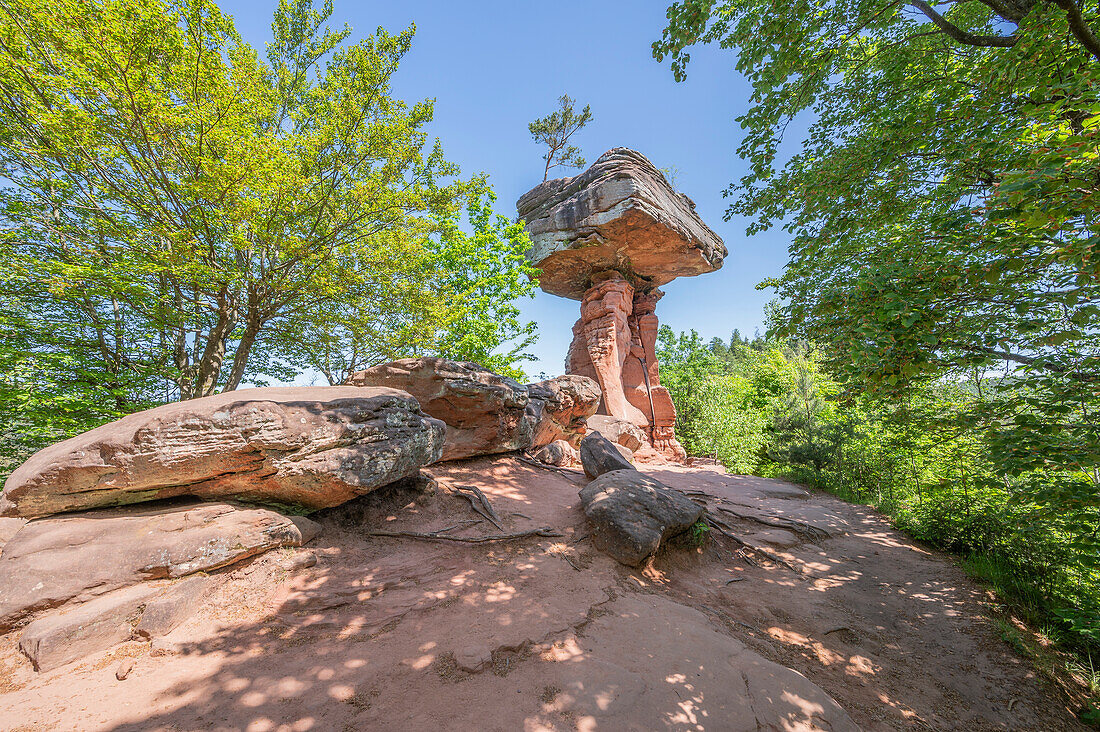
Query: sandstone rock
[599, 456]
[484, 413]
[9, 527]
[626, 452]
[559, 453]
[122, 672]
[307, 446]
[632, 514]
[614, 342]
[59, 639]
[174, 605]
[618, 431]
[610, 237]
[64, 559]
[619, 214]
[561, 407]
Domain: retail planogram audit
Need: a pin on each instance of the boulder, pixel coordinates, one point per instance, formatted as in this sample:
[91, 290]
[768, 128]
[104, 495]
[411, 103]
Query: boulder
[599, 456]
[618, 431]
[75, 558]
[559, 453]
[94, 626]
[9, 527]
[631, 514]
[485, 413]
[620, 214]
[561, 407]
[178, 602]
[303, 446]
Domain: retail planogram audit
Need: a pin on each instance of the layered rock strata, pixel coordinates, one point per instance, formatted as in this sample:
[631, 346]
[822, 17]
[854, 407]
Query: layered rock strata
[311, 447]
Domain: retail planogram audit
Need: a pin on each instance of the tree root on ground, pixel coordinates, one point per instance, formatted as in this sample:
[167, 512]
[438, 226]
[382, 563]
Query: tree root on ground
[802, 528]
[568, 472]
[745, 549]
[442, 535]
[479, 502]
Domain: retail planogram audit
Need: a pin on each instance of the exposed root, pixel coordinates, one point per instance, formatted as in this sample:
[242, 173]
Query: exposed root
[479, 502]
[746, 550]
[813, 533]
[441, 535]
[802, 528]
[568, 472]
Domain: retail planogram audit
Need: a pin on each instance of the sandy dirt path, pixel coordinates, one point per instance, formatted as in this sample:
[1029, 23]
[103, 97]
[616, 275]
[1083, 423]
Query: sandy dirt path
[866, 631]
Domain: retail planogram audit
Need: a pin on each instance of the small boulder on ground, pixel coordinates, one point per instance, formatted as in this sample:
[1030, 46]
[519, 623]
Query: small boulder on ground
[485, 413]
[599, 455]
[562, 407]
[559, 453]
[631, 514]
[619, 431]
[312, 447]
[54, 561]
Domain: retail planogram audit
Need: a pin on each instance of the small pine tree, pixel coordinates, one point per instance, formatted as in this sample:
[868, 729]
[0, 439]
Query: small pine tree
[554, 131]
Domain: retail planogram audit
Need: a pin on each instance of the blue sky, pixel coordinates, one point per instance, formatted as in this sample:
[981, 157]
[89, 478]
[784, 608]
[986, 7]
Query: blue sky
[495, 66]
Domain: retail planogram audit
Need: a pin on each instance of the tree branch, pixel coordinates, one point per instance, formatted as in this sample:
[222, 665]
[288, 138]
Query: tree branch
[964, 37]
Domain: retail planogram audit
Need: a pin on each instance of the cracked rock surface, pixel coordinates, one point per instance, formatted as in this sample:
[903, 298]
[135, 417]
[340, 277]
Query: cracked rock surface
[311, 447]
[546, 633]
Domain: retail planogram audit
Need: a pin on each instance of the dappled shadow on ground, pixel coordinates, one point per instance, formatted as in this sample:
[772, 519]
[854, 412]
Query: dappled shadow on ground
[547, 633]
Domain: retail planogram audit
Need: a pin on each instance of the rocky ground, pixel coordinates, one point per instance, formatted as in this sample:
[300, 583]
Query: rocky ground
[360, 631]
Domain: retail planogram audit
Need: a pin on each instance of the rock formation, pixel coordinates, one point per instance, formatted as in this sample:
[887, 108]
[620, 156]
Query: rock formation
[307, 446]
[74, 558]
[610, 237]
[485, 413]
[562, 407]
[632, 514]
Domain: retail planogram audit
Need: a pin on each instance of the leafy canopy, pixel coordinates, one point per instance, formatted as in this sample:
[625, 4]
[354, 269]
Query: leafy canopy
[179, 212]
[941, 204]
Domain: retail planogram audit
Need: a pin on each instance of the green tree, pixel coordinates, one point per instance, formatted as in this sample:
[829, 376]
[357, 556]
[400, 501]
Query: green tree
[941, 208]
[554, 131]
[179, 196]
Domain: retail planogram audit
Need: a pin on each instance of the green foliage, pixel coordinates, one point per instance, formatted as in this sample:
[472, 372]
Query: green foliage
[941, 208]
[943, 259]
[554, 131]
[179, 215]
[699, 531]
[774, 409]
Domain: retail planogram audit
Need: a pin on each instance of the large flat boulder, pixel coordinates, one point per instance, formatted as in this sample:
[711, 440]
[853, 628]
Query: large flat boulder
[562, 406]
[632, 514]
[620, 214]
[312, 447]
[75, 558]
[485, 413]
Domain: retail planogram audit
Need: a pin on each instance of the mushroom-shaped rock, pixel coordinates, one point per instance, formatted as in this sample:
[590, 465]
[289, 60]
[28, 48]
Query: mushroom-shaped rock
[620, 214]
[312, 447]
[610, 237]
[631, 514]
[485, 413]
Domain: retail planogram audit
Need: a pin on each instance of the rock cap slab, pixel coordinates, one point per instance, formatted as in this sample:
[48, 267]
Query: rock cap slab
[620, 214]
